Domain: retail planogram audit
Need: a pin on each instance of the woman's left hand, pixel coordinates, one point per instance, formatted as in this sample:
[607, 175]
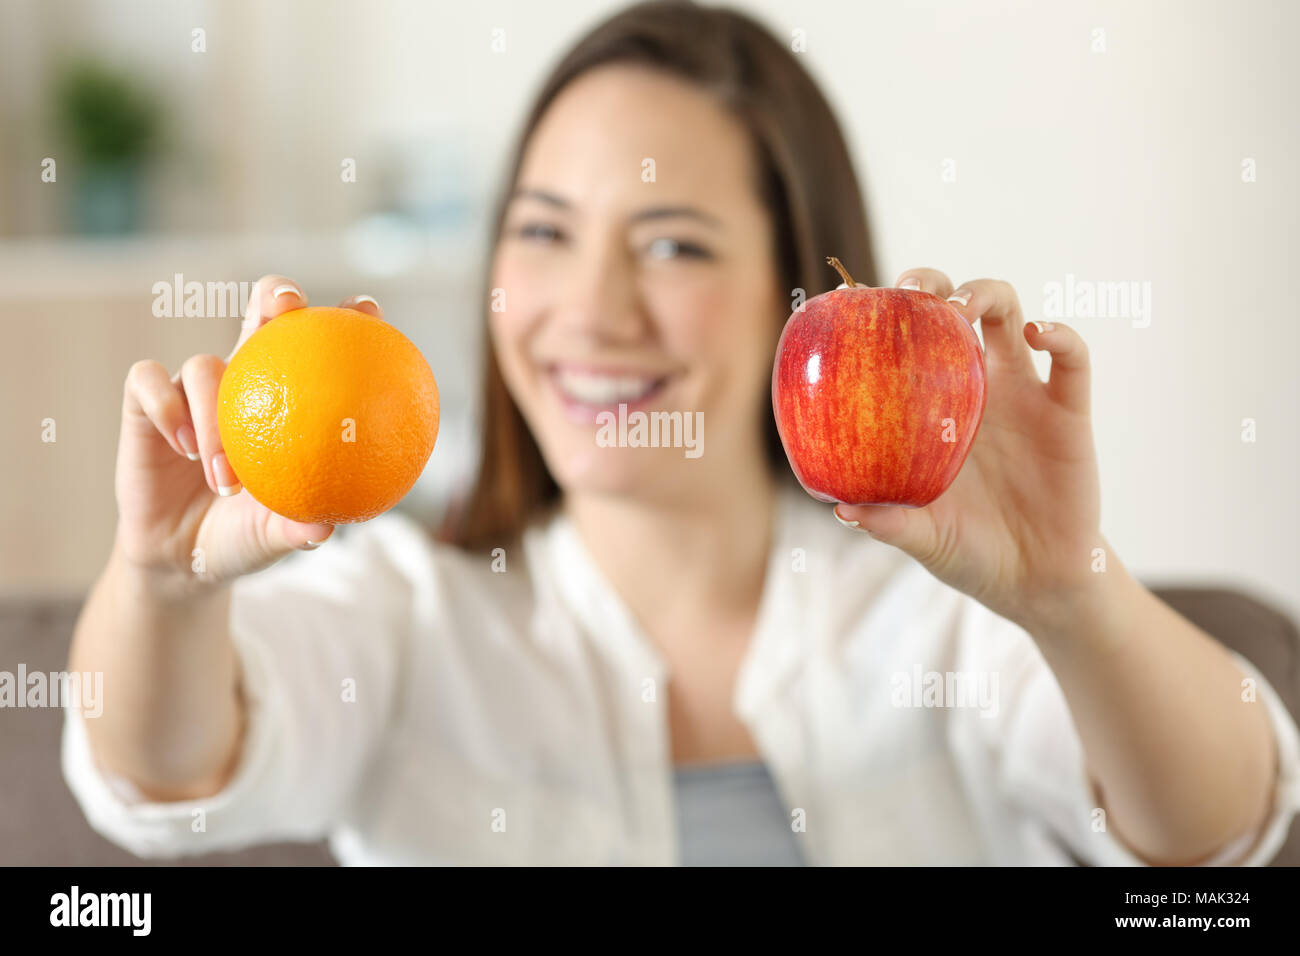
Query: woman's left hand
[1017, 528]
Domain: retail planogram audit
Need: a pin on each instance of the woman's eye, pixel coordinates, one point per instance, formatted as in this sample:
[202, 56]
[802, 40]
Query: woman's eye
[539, 232]
[674, 248]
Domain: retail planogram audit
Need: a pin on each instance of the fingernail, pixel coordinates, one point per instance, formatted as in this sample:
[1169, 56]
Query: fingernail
[358, 299]
[312, 545]
[961, 298]
[1044, 327]
[284, 290]
[185, 438]
[848, 524]
[911, 282]
[224, 475]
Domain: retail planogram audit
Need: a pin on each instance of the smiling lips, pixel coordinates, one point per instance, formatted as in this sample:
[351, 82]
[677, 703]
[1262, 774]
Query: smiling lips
[584, 392]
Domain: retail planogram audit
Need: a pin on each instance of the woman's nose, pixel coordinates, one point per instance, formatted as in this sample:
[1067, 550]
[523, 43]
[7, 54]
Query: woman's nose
[599, 296]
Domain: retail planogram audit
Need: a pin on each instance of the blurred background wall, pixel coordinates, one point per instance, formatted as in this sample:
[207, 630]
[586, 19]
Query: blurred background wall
[1058, 146]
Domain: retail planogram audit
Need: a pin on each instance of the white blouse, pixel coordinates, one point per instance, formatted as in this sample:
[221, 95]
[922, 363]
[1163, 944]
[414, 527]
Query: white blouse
[421, 705]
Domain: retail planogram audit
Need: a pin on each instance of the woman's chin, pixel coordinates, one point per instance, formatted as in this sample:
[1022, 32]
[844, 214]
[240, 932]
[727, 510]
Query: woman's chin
[632, 472]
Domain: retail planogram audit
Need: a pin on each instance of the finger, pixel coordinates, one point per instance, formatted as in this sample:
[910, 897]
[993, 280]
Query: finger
[149, 391]
[200, 377]
[285, 534]
[997, 307]
[911, 530]
[271, 295]
[925, 280]
[363, 303]
[1069, 383]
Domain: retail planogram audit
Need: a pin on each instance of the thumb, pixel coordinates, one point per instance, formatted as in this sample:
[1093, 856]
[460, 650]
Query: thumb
[911, 530]
[285, 535]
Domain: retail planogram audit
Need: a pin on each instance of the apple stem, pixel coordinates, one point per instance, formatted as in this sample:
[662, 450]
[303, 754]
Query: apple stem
[839, 267]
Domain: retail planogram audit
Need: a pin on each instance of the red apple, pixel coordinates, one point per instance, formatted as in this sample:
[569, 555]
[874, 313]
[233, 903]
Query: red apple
[878, 394]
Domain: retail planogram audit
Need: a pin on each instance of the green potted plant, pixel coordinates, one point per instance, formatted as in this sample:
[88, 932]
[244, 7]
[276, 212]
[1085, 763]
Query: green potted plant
[111, 124]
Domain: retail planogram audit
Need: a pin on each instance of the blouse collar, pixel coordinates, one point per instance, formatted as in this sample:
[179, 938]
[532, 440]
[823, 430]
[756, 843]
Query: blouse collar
[791, 613]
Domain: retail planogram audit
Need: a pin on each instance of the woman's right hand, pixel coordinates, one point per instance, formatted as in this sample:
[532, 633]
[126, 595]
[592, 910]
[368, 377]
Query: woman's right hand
[183, 518]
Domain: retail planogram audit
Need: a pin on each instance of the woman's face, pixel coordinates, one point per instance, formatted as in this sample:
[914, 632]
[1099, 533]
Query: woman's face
[636, 267]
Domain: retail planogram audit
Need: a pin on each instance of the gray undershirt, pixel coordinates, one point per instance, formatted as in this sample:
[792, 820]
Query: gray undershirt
[729, 814]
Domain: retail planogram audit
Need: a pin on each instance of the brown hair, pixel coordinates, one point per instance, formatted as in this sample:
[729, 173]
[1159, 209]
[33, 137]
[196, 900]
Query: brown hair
[808, 184]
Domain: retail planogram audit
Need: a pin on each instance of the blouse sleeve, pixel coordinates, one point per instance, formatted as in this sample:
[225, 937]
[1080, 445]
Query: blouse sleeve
[1037, 756]
[319, 638]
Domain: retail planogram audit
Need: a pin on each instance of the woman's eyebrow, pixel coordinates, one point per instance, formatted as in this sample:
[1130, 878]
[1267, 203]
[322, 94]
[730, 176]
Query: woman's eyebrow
[670, 212]
[643, 215]
[541, 195]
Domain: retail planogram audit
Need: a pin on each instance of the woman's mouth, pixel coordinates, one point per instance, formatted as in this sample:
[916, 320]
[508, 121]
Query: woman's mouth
[585, 392]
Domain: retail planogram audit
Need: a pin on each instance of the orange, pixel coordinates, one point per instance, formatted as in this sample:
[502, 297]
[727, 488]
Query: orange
[328, 415]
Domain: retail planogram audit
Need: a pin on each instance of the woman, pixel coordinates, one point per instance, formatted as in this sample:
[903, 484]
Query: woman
[632, 655]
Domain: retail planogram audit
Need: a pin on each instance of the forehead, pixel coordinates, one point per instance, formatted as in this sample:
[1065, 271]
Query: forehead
[592, 143]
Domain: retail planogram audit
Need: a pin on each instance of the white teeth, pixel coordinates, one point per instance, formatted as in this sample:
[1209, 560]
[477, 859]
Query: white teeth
[596, 389]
